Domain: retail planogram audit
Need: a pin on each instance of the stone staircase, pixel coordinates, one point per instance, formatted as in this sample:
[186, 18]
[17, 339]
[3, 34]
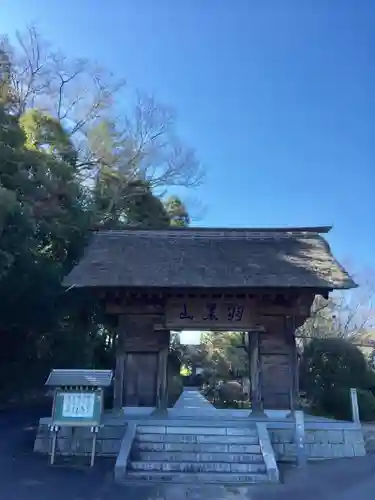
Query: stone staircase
[190, 453]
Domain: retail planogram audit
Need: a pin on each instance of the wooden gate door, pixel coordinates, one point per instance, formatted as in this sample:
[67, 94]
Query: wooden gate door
[140, 380]
[275, 368]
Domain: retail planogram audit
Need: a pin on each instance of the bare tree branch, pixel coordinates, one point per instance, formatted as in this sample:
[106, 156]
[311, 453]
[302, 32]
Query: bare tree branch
[349, 314]
[76, 92]
[142, 143]
[63, 82]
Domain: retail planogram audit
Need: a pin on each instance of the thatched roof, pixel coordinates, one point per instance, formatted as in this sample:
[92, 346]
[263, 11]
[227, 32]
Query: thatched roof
[210, 258]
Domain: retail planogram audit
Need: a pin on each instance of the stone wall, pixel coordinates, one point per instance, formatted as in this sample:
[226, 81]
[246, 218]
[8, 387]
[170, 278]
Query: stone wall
[319, 443]
[369, 436]
[78, 441]
[333, 441]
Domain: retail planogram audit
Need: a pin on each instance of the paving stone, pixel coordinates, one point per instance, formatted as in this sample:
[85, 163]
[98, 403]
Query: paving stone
[43, 430]
[199, 457]
[348, 450]
[169, 438]
[215, 478]
[112, 432]
[205, 431]
[353, 436]
[321, 436]
[40, 445]
[196, 467]
[228, 439]
[285, 435]
[359, 449]
[144, 446]
[196, 447]
[241, 431]
[244, 448]
[320, 450]
[335, 436]
[326, 450]
[244, 468]
[338, 450]
[110, 446]
[309, 437]
[152, 429]
[180, 467]
[290, 449]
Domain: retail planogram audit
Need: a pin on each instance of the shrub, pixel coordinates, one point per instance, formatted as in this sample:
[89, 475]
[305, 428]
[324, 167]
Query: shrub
[366, 403]
[328, 369]
[327, 363]
[231, 391]
[336, 403]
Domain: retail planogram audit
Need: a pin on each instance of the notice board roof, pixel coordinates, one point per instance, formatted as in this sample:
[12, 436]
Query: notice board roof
[83, 378]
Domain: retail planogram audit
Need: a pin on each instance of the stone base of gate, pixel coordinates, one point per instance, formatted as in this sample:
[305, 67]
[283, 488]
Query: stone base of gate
[322, 441]
[324, 438]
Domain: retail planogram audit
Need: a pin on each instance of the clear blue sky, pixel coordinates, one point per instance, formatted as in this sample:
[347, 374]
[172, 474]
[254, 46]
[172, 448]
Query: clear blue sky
[277, 97]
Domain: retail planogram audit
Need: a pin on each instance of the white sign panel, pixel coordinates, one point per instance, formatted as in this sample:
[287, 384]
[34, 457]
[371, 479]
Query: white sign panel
[78, 405]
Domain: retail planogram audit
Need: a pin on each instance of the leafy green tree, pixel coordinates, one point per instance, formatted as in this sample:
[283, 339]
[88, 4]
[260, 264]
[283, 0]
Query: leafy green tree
[46, 133]
[119, 203]
[219, 354]
[6, 97]
[66, 168]
[177, 212]
[43, 226]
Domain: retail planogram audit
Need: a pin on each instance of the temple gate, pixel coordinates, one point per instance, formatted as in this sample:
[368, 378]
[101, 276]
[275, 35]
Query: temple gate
[259, 281]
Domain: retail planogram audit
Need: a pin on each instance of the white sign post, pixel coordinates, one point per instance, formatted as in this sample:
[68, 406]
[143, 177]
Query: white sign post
[300, 438]
[355, 407]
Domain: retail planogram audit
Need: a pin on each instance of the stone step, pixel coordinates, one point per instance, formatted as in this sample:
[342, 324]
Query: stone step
[198, 447]
[162, 456]
[196, 467]
[202, 478]
[191, 438]
[197, 430]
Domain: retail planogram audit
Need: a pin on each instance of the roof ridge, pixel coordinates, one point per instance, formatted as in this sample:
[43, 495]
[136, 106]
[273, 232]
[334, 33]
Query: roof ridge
[216, 230]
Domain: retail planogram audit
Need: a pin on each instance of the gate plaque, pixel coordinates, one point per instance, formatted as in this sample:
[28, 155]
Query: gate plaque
[210, 313]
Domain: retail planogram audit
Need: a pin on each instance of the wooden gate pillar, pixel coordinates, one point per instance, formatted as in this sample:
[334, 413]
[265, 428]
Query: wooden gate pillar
[255, 372]
[290, 327]
[162, 376]
[120, 363]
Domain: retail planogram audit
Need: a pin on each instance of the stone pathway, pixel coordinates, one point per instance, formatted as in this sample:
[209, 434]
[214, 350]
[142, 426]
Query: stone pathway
[190, 403]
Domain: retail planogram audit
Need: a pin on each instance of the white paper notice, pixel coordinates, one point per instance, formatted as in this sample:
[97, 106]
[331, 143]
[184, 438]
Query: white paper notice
[78, 405]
